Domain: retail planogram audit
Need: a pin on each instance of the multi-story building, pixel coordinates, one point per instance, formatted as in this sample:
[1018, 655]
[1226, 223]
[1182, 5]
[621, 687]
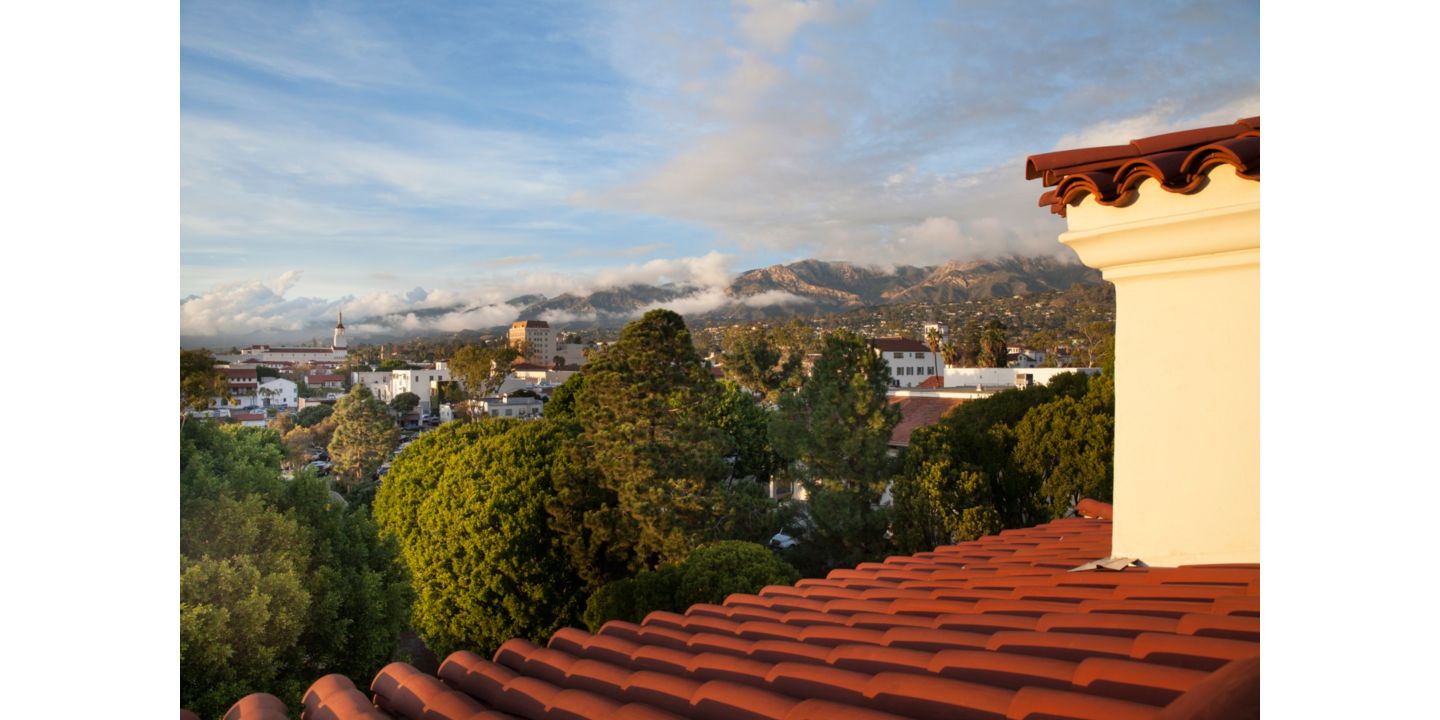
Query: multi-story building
[378, 382]
[423, 382]
[910, 361]
[540, 337]
[278, 392]
[243, 383]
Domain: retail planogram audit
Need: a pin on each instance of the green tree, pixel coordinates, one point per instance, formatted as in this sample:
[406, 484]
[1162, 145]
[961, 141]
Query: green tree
[951, 353]
[312, 414]
[641, 483]
[933, 339]
[1099, 343]
[994, 349]
[714, 572]
[405, 403]
[985, 466]
[200, 381]
[835, 432]
[279, 583]
[1068, 447]
[970, 346]
[708, 575]
[392, 364]
[752, 359]
[481, 370]
[365, 434]
[467, 504]
[746, 422]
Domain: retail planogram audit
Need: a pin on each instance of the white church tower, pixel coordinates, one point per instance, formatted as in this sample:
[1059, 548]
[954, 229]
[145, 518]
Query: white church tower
[338, 344]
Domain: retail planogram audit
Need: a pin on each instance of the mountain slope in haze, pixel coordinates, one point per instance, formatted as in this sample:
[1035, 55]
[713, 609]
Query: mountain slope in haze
[806, 288]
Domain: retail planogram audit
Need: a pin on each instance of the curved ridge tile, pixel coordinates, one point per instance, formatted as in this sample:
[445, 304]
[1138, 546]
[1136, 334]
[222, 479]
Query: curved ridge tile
[258, 706]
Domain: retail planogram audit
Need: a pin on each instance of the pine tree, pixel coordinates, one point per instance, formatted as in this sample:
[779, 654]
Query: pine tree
[365, 434]
[836, 432]
[640, 485]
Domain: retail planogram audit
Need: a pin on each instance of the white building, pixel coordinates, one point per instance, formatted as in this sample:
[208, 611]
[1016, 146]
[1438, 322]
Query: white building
[274, 356]
[243, 384]
[422, 382]
[910, 361]
[967, 377]
[250, 419]
[378, 382]
[508, 406]
[540, 336]
[278, 392]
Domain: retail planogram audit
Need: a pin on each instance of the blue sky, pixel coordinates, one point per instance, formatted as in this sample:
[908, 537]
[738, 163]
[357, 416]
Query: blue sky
[386, 157]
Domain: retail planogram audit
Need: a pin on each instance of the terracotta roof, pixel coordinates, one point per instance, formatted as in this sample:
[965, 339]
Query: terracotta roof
[1179, 161]
[243, 417]
[1000, 627]
[324, 378]
[934, 382]
[918, 412]
[900, 345]
[233, 374]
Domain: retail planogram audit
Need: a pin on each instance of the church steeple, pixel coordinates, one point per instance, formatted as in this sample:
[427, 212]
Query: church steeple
[339, 342]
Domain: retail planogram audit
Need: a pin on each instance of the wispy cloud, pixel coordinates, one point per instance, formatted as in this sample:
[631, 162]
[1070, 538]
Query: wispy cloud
[810, 132]
[484, 145]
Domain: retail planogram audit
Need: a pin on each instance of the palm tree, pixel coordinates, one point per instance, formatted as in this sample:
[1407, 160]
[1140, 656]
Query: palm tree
[933, 338]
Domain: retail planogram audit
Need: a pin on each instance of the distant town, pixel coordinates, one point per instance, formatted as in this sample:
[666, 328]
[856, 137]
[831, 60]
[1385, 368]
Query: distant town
[981, 347]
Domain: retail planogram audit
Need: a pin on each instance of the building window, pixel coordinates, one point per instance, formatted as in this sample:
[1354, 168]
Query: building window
[899, 355]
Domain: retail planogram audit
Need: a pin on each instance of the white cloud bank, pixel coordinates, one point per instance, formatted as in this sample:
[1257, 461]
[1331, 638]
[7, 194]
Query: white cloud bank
[259, 310]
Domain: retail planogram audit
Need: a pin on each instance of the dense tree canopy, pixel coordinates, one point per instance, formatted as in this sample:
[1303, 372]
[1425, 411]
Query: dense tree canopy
[643, 480]
[481, 370]
[754, 359]
[365, 435]
[709, 575]
[835, 432]
[312, 414]
[1011, 460]
[405, 403]
[279, 583]
[1068, 447]
[467, 503]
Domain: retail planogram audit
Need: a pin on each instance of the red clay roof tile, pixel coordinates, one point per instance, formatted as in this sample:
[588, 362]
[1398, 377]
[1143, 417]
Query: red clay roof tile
[1177, 161]
[258, 706]
[992, 628]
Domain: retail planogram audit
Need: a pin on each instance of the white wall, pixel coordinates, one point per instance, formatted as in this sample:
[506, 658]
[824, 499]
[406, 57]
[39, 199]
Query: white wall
[909, 371]
[993, 377]
[1187, 415]
[418, 382]
[284, 393]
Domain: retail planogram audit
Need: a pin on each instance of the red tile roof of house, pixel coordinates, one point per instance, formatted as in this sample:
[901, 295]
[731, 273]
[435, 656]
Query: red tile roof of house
[918, 412]
[234, 374]
[900, 345]
[934, 382]
[1001, 627]
[1179, 161]
[247, 417]
[324, 378]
